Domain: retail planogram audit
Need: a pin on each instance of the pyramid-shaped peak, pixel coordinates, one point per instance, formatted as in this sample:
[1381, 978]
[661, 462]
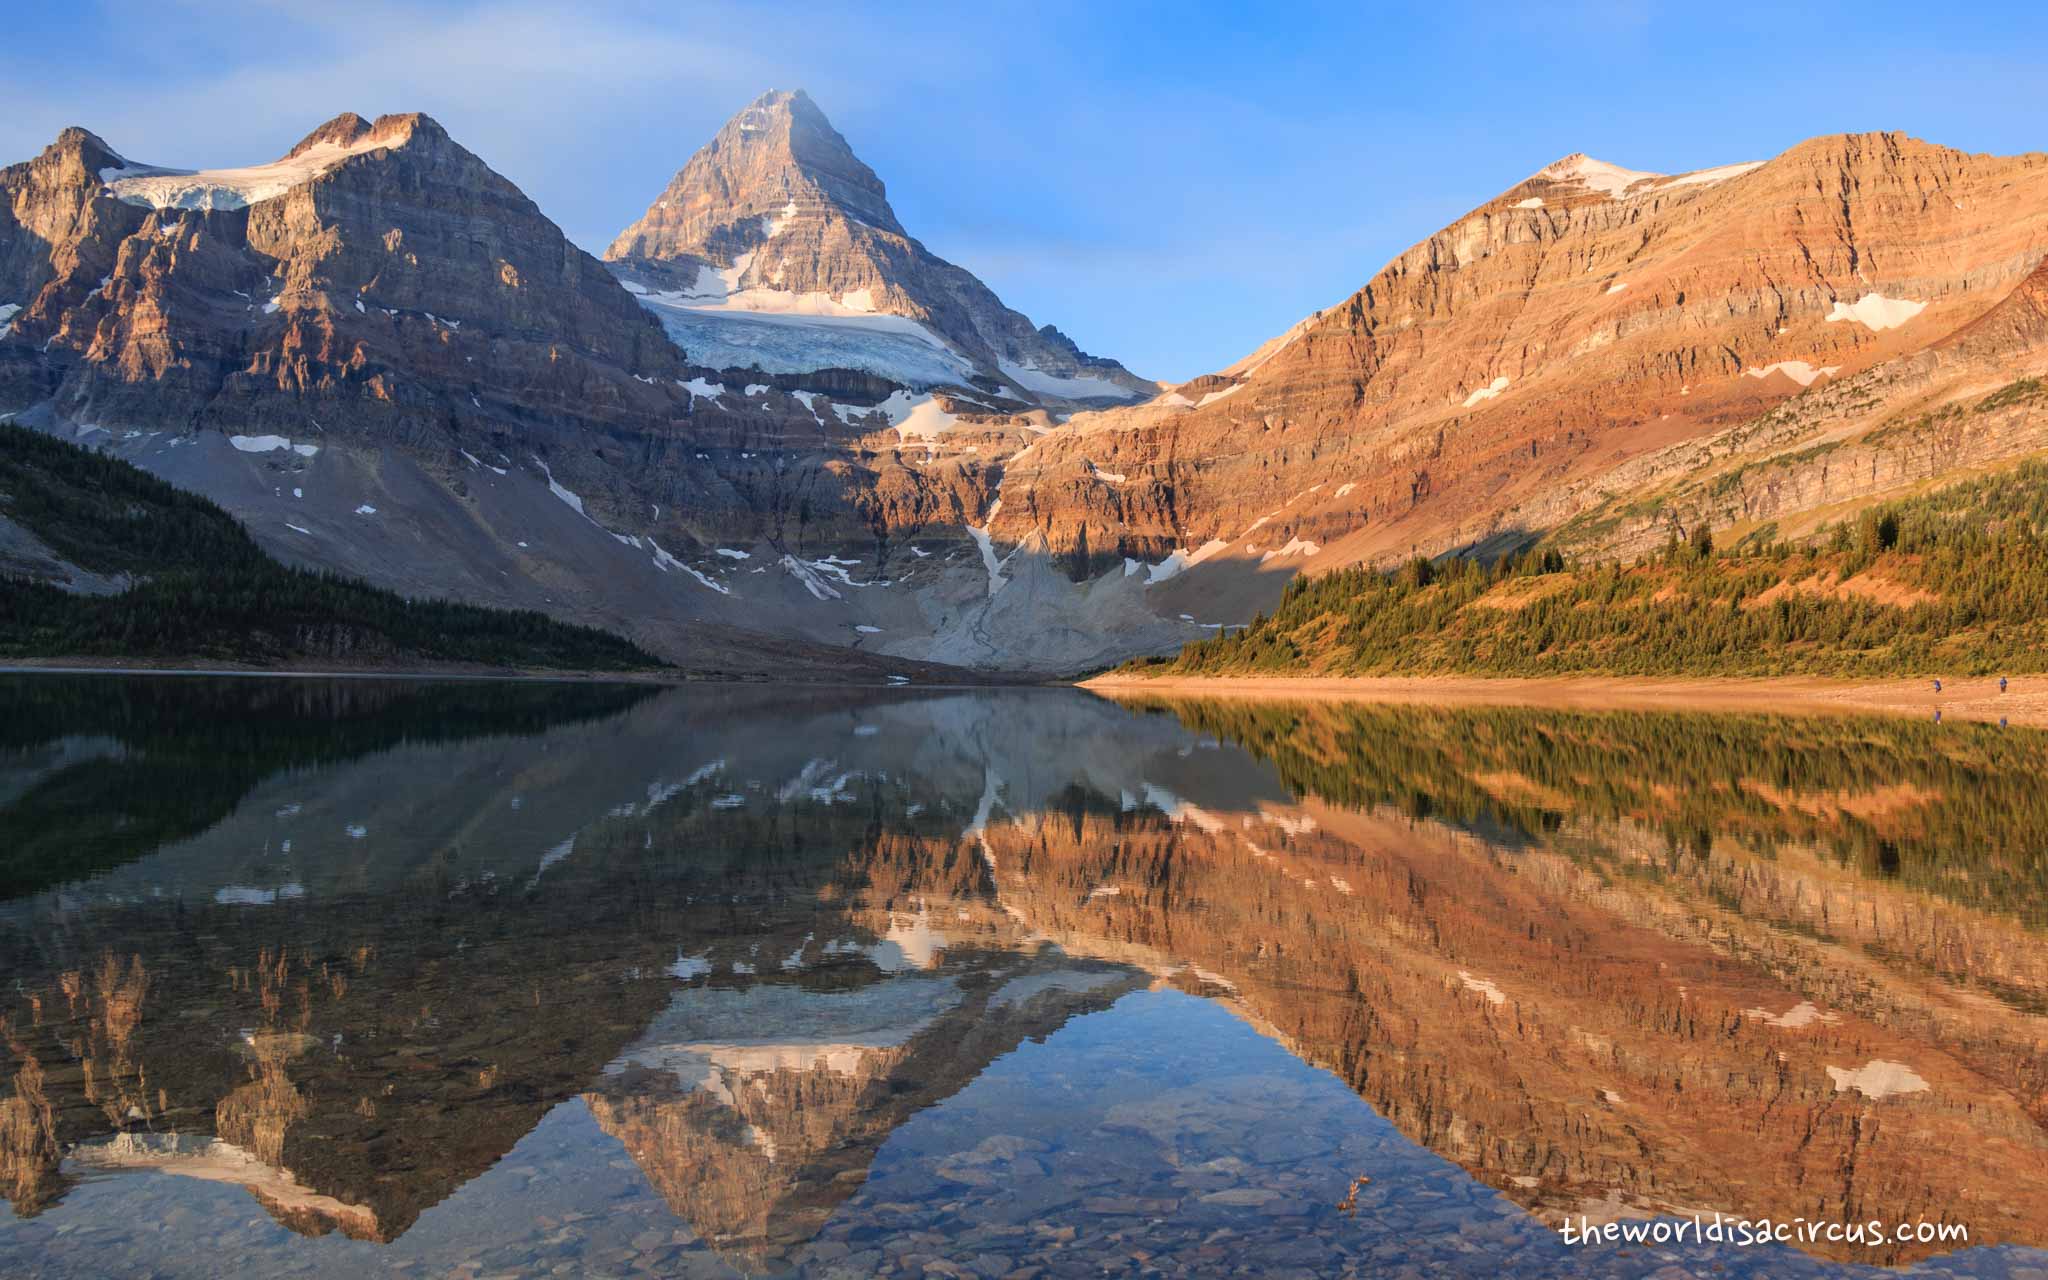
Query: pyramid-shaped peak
[789, 126]
[778, 153]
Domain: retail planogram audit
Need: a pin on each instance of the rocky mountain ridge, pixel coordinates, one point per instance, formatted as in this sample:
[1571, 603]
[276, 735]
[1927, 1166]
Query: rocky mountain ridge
[774, 413]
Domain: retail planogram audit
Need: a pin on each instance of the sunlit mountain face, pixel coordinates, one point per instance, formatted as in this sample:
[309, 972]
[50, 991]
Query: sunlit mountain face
[365, 977]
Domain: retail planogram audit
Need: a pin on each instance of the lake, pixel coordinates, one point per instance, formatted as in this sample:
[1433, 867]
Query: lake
[386, 977]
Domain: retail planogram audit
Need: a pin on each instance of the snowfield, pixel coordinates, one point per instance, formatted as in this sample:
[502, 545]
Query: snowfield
[155, 187]
[1080, 386]
[726, 326]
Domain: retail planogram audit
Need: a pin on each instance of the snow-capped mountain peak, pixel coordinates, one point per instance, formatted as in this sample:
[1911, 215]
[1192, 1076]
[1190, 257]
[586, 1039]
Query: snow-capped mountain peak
[775, 249]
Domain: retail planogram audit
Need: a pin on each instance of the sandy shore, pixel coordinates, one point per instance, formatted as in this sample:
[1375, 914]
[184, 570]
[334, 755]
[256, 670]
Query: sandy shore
[1973, 698]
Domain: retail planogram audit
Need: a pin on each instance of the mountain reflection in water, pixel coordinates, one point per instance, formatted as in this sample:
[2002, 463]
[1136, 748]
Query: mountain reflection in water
[383, 975]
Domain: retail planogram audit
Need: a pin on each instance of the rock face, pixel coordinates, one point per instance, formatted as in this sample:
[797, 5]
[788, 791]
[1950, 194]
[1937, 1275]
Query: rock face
[777, 223]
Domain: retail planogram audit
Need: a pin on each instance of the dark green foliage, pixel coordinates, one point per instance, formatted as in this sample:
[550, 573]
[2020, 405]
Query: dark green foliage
[2020, 392]
[208, 592]
[1952, 582]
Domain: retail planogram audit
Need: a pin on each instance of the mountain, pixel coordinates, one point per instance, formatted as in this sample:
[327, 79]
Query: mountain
[1573, 347]
[775, 249]
[366, 274]
[771, 423]
[388, 363]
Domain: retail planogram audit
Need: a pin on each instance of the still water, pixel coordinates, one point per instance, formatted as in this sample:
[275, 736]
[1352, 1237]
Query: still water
[346, 978]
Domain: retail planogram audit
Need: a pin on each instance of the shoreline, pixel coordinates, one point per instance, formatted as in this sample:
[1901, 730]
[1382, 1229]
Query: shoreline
[1970, 698]
[663, 679]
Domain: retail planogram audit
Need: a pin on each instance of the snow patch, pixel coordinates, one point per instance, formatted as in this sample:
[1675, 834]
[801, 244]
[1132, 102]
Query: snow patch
[1798, 370]
[1181, 561]
[996, 580]
[665, 562]
[917, 417]
[1803, 1014]
[1484, 986]
[8, 311]
[270, 444]
[1294, 547]
[574, 502]
[366, 510]
[777, 331]
[1487, 392]
[1878, 1079]
[807, 573]
[1876, 312]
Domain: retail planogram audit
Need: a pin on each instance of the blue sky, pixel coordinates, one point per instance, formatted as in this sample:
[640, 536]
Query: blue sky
[1168, 183]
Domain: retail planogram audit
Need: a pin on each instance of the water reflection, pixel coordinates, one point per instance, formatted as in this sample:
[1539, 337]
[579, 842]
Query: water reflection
[705, 981]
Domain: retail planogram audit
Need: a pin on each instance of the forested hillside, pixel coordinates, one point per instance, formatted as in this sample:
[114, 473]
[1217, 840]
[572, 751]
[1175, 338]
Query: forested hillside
[1954, 581]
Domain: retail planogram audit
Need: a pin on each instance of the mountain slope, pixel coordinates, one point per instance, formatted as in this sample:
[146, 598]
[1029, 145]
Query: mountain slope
[184, 581]
[775, 225]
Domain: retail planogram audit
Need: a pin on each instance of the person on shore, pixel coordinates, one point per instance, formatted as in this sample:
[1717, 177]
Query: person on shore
[2001, 684]
[1937, 685]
